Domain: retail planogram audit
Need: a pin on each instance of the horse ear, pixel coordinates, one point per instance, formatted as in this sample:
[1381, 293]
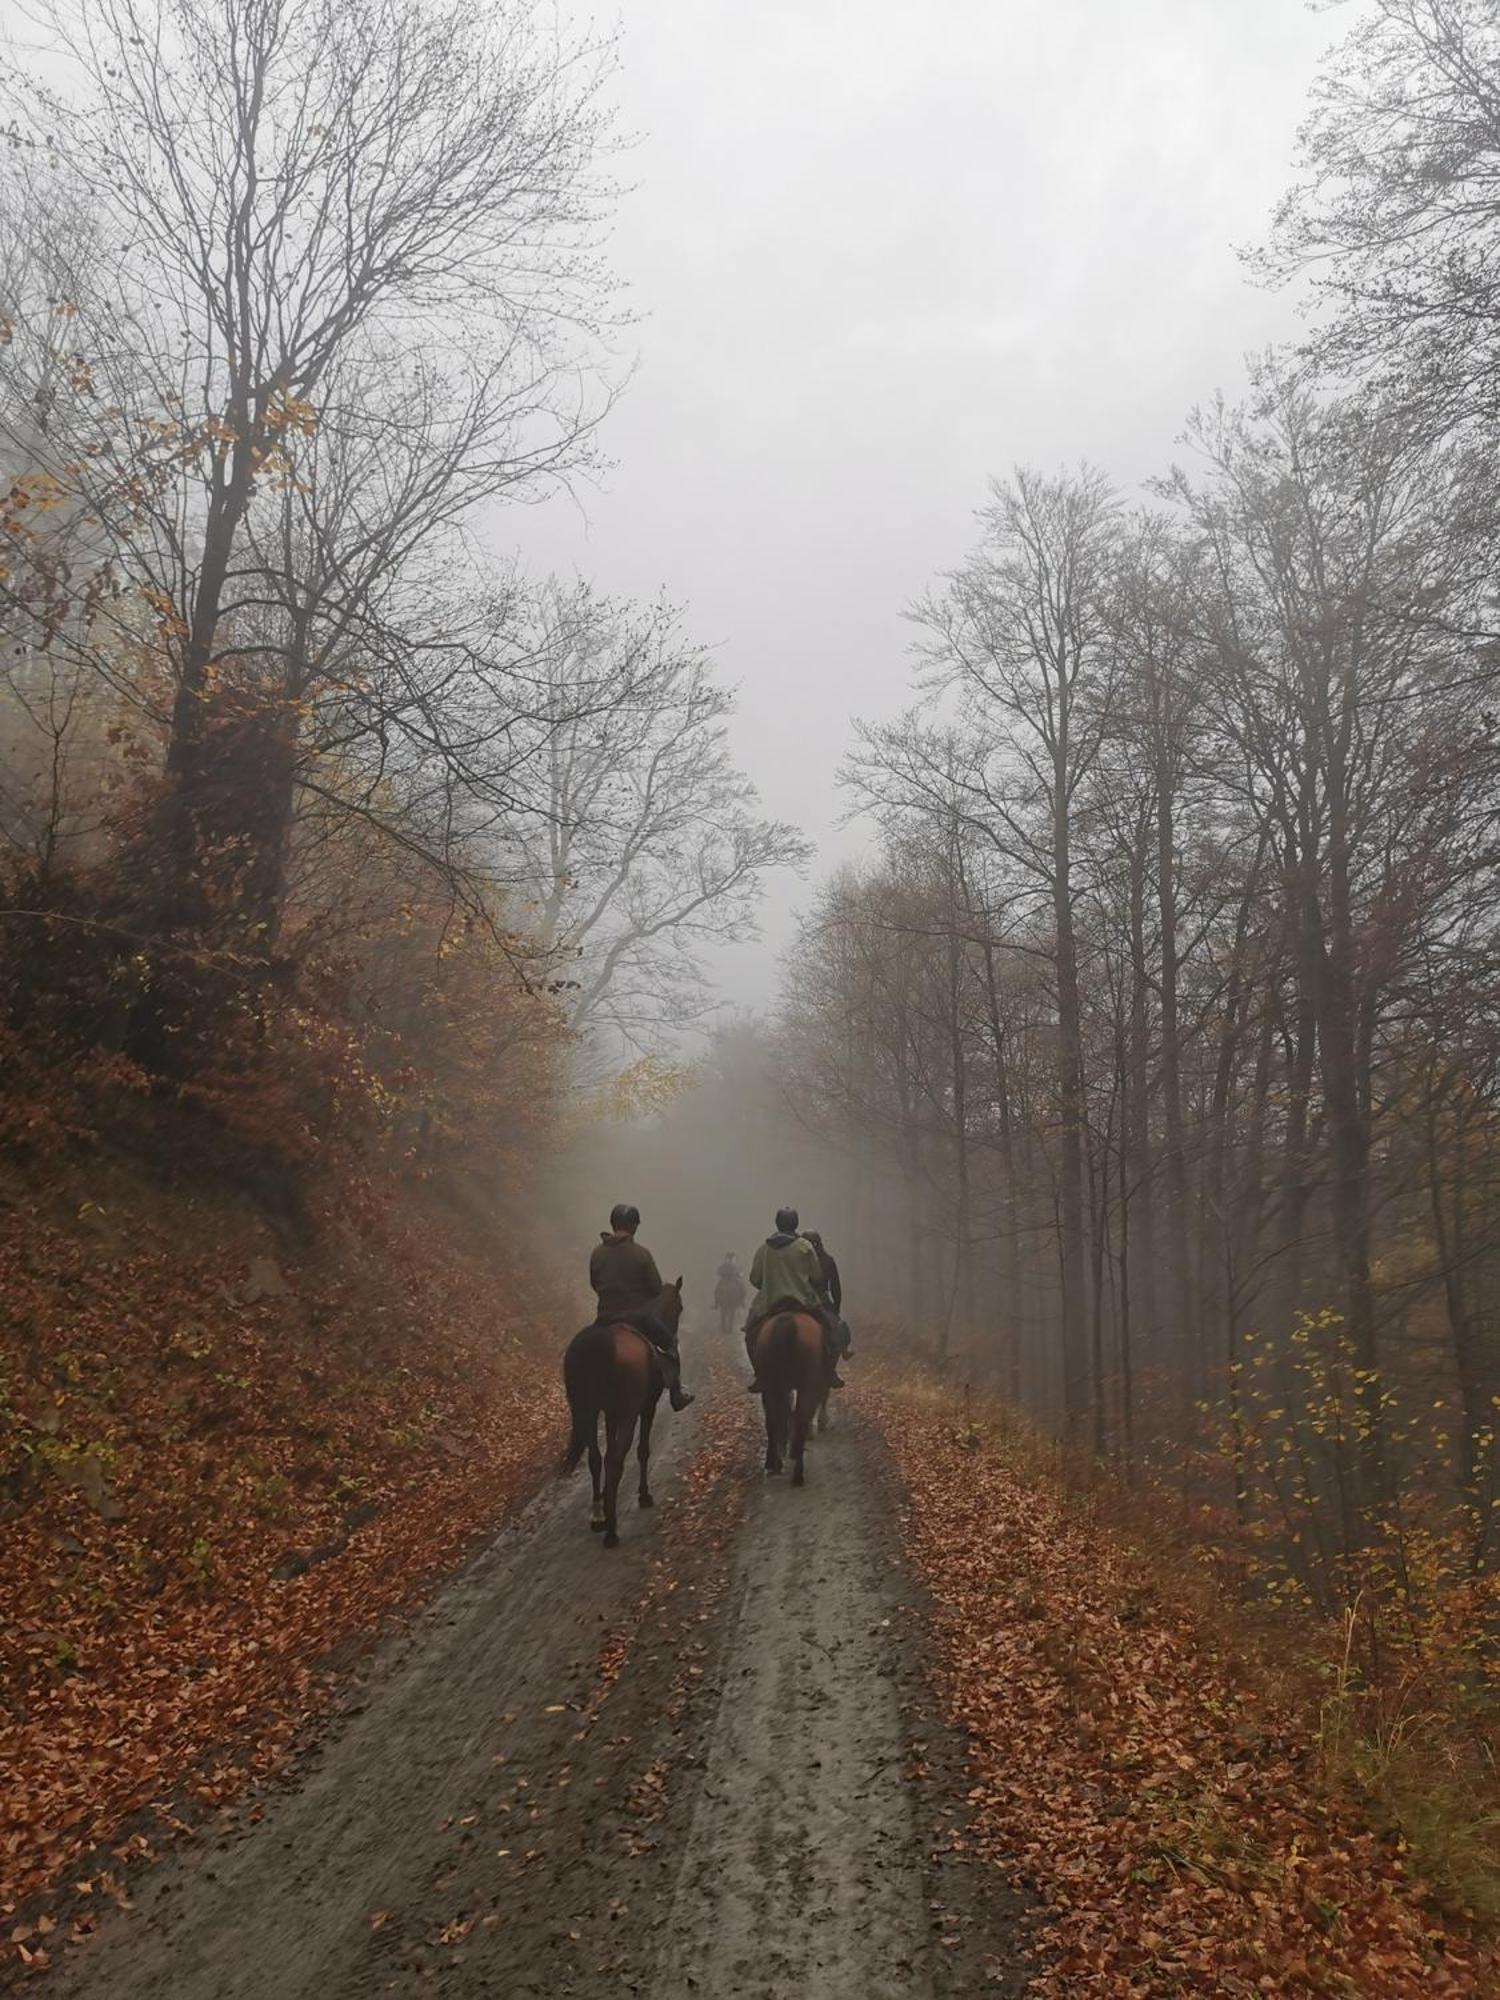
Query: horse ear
[677, 1288]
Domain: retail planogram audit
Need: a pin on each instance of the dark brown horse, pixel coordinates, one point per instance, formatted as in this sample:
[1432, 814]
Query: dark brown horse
[610, 1371]
[791, 1366]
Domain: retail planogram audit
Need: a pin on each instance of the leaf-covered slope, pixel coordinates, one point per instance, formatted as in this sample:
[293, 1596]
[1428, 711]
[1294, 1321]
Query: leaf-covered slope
[216, 1464]
[1160, 1804]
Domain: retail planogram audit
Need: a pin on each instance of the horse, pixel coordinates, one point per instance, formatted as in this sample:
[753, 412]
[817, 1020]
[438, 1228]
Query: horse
[610, 1370]
[729, 1297]
[790, 1361]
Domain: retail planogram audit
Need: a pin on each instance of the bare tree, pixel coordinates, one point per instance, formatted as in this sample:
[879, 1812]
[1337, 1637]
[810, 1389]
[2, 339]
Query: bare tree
[639, 843]
[281, 184]
[1021, 632]
[1397, 210]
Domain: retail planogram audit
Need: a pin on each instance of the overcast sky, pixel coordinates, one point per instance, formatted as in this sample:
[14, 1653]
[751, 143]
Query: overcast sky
[883, 249]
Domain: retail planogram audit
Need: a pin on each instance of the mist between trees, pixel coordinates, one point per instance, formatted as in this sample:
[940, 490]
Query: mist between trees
[315, 817]
[1150, 1067]
[1161, 1040]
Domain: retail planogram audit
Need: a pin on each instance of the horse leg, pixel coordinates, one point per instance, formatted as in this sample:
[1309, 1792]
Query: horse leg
[823, 1410]
[800, 1426]
[643, 1451]
[596, 1473]
[769, 1403]
[619, 1432]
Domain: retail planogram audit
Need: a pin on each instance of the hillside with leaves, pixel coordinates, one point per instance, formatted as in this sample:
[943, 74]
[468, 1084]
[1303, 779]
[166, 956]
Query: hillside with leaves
[220, 1462]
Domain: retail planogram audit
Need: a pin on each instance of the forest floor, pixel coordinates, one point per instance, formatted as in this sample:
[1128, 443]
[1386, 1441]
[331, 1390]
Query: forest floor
[708, 1763]
[225, 1459]
[928, 1727]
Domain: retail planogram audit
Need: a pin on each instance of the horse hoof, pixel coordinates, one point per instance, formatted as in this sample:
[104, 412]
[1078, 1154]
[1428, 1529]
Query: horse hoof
[799, 1478]
[597, 1527]
[611, 1539]
[648, 1500]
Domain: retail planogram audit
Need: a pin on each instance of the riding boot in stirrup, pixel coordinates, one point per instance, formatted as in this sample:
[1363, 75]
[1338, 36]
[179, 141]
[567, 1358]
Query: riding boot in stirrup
[677, 1396]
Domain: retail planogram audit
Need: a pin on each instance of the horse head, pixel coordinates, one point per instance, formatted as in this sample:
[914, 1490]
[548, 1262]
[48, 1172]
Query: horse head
[670, 1304]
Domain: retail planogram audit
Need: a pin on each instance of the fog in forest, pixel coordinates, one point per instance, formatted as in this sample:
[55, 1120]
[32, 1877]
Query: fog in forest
[886, 609]
[877, 258]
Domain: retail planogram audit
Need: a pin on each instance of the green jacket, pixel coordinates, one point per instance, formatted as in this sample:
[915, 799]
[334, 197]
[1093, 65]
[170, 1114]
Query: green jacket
[624, 1274]
[785, 1267]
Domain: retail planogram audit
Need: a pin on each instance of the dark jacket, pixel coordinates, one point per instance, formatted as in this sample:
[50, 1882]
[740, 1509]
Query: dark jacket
[832, 1283]
[624, 1274]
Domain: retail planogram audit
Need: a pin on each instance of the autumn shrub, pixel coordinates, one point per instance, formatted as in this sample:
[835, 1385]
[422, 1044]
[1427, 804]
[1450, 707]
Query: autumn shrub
[383, 1032]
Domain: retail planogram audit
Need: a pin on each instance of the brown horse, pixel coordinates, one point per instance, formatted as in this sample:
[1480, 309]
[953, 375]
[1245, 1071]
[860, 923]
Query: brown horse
[610, 1370]
[791, 1362]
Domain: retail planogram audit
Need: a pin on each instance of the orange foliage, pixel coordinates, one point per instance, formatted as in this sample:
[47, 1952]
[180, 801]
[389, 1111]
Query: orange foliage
[207, 1484]
[1164, 1809]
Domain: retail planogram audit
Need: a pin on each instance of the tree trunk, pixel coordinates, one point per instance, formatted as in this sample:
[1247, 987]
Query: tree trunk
[1072, 1244]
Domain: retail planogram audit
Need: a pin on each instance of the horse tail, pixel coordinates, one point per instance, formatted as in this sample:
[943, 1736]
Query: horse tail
[781, 1344]
[584, 1399]
[584, 1427]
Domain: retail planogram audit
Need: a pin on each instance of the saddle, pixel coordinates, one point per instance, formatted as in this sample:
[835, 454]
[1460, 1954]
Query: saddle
[628, 1321]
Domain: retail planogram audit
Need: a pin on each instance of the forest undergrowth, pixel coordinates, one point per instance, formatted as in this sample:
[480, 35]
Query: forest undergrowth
[221, 1460]
[1204, 1796]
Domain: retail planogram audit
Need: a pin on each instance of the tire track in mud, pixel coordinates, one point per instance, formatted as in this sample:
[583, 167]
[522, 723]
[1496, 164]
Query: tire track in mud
[683, 1768]
[804, 1867]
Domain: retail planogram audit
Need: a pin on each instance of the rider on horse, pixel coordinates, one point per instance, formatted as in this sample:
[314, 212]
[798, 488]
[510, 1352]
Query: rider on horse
[729, 1288]
[624, 1275]
[729, 1274]
[832, 1289]
[787, 1273]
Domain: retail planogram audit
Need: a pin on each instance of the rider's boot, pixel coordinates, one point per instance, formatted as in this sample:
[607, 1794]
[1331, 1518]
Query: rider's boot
[752, 1387]
[831, 1351]
[677, 1396]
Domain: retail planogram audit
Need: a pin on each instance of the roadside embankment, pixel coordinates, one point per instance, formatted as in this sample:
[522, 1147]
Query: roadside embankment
[220, 1462]
[1130, 1766]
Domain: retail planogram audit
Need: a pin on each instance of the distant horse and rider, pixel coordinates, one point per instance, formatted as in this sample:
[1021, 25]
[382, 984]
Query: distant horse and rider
[615, 1370]
[730, 1293]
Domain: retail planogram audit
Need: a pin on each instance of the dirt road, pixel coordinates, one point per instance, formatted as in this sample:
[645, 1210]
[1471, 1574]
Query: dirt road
[703, 1764]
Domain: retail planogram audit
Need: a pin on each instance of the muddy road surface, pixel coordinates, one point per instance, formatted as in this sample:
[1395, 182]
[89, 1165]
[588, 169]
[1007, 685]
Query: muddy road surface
[704, 1764]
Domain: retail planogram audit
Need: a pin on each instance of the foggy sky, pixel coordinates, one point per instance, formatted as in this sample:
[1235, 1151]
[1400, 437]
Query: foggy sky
[881, 250]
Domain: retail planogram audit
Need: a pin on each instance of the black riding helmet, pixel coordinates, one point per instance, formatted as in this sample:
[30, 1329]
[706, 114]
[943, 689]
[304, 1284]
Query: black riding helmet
[623, 1217]
[786, 1221]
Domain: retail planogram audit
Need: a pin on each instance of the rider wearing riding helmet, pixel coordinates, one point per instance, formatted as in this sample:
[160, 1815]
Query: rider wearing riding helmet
[788, 1276]
[624, 1276]
[832, 1288]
